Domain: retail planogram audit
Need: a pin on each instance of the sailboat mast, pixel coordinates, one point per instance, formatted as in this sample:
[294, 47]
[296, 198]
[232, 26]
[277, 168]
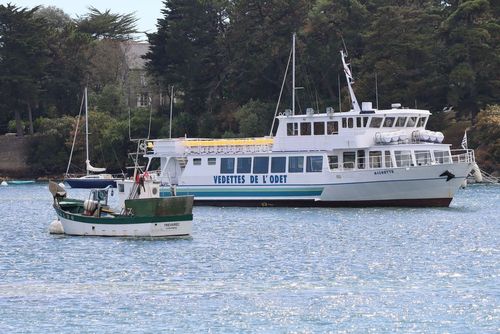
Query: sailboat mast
[293, 74]
[86, 129]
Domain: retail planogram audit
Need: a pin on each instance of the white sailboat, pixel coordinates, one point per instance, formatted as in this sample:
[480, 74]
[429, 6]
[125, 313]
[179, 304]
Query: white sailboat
[95, 176]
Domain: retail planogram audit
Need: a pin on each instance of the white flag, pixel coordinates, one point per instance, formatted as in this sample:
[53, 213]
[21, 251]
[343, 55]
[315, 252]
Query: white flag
[464, 141]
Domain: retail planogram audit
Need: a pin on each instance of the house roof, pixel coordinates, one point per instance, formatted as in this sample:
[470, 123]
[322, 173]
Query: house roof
[133, 53]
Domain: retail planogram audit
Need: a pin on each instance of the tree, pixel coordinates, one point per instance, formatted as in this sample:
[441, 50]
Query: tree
[402, 47]
[185, 52]
[331, 27]
[23, 59]
[107, 25]
[68, 69]
[471, 31]
[258, 45]
[485, 138]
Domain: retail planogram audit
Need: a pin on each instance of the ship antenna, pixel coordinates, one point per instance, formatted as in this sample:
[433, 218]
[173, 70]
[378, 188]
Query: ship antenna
[350, 80]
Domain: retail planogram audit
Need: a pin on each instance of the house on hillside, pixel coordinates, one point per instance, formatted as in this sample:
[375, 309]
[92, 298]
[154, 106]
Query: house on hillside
[141, 90]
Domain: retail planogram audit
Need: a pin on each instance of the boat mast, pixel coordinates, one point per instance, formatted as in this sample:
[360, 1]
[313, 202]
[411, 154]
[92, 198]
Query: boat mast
[350, 81]
[171, 107]
[86, 131]
[293, 74]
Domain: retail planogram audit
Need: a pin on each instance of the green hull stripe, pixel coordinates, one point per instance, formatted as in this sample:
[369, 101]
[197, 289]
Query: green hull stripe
[116, 220]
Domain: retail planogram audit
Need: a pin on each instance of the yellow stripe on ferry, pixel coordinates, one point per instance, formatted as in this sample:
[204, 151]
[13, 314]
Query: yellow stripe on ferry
[229, 142]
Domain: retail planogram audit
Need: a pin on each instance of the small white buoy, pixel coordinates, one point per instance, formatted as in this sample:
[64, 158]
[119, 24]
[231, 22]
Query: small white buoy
[4, 184]
[61, 184]
[56, 227]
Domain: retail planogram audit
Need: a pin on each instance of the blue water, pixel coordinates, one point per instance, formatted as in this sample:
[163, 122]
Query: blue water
[257, 270]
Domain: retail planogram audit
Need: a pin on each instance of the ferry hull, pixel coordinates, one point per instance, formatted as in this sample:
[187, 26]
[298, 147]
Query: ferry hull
[422, 186]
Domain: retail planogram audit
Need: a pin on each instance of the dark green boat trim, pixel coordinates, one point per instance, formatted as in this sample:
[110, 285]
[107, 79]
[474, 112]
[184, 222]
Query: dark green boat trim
[120, 219]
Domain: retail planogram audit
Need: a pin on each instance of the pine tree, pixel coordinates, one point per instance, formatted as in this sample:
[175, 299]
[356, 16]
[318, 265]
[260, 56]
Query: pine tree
[23, 59]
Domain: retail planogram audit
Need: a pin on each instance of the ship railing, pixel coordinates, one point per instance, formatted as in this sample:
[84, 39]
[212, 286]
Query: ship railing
[375, 163]
[228, 149]
[463, 155]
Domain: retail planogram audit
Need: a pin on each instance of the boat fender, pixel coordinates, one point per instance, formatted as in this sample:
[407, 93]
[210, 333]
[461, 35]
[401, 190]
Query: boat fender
[56, 227]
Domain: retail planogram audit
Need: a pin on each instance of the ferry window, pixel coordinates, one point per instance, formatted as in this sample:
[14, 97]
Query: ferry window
[421, 122]
[260, 165]
[333, 161]
[359, 122]
[389, 122]
[305, 129]
[403, 158]
[244, 165]
[347, 122]
[314, 164]
[211, 161]
[442, 157]
[365, 121]
[376, 159]
[349, 160]
[292, 129]
[412, 121]
[332, 128]
[319, 128]
[278, 164]
[423, 158]
[388, 160]
[227, 165]
[197, 161]
[361, 159]
[401, 122]
[121, 188]
[295, 164]
[376, 122]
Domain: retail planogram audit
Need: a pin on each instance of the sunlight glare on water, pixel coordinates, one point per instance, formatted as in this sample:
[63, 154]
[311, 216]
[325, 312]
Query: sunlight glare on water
[369, 270]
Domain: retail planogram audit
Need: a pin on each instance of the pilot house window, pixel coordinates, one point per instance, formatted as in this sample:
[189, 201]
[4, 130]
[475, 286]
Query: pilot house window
[292, 129]
[332, 128]
[305, 129]
[319, 128]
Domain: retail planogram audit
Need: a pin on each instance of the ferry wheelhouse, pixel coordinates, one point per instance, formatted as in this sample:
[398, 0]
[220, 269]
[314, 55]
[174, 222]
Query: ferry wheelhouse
[363, 157]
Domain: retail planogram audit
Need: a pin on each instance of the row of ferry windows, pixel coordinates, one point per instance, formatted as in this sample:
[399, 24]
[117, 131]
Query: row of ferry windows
[260, 165]
[380, 159]
[332, 127]
[347, 160]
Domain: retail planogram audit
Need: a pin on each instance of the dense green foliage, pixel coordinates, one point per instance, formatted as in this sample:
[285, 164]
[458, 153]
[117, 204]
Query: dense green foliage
[226, 60]
[429, 53]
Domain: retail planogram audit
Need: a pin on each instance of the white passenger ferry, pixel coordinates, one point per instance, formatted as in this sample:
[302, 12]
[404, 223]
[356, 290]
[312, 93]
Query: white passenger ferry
[363, 157]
